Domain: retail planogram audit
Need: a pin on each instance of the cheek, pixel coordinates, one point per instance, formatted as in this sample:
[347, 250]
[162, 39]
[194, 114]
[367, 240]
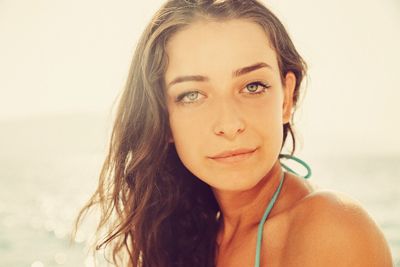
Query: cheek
[265, 118]
[187, 124]
[267, 127]
[187, 138]
[188, 147]
[184, 129]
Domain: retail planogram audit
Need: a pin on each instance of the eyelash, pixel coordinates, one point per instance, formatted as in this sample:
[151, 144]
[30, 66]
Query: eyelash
[258, 83]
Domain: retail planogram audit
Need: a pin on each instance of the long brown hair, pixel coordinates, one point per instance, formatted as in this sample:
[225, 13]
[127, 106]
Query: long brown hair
[154, 212]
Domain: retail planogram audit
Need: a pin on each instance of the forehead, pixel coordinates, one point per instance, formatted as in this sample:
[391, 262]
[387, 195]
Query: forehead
[217, 48]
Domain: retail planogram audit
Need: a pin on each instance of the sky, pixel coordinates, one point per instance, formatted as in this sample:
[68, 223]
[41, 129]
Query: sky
[59, 57]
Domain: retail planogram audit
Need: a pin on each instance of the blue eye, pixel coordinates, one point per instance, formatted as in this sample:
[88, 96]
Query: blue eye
[257, 87]
[191, 97]
[188, 97]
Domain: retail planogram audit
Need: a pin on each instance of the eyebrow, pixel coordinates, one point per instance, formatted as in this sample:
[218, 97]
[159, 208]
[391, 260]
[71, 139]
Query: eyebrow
[236, 73]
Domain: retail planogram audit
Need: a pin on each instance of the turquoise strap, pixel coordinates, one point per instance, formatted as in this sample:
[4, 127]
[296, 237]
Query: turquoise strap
[272, 202]
[305, 165]
[261, 225]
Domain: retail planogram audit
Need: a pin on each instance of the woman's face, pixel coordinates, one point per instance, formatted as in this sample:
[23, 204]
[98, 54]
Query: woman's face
[225, 93]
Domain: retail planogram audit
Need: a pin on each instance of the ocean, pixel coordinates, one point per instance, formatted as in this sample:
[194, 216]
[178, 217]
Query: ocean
[49, 167]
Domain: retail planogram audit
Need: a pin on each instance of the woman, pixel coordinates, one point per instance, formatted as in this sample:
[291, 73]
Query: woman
[193, 171]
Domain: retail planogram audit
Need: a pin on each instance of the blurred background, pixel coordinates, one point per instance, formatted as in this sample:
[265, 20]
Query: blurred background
[63, 64]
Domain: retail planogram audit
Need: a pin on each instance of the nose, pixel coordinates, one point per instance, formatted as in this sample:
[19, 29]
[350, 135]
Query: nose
[229, 122]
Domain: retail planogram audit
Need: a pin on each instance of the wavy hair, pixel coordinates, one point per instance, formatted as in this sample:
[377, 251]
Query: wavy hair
[153, 211]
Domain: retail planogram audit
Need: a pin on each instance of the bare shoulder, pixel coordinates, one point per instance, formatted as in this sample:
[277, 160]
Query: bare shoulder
[331, 229]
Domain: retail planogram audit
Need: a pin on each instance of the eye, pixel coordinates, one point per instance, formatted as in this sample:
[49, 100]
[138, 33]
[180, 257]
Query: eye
[188, 97]
[256, 87]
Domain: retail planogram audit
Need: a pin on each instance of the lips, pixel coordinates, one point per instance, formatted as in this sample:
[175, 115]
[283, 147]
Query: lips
[230, 153]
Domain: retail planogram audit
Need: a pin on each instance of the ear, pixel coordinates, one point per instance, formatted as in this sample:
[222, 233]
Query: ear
[290, 84]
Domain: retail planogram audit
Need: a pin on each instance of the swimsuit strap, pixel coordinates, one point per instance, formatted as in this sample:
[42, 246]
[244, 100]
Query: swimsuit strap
[272, 202]
[305, 165]
[261, 225]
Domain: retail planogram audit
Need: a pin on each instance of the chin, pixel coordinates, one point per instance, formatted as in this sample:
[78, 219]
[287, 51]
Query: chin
[234, 185]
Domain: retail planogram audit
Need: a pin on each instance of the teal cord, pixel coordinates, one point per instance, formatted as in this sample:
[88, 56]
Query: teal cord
[272, 202]
[299, 161]
[261, 225]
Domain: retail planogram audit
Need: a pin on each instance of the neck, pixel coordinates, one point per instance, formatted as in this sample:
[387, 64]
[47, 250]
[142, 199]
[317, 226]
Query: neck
[242, 210]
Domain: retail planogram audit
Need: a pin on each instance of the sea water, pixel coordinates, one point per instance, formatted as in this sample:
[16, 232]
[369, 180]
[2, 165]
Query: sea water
[49, 168]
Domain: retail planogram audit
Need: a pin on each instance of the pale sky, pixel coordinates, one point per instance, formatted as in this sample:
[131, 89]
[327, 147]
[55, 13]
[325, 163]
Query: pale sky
[73, 56]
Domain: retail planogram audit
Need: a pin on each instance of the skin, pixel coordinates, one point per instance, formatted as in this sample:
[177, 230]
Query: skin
[219, 112]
